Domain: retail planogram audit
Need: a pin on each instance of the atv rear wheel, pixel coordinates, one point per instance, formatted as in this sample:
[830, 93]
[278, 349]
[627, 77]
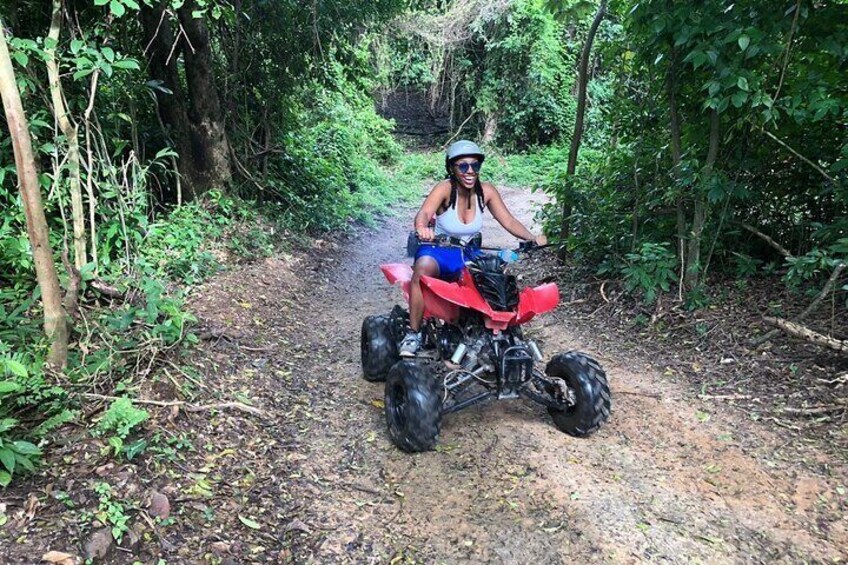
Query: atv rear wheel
[585, 377]
[413, 407]
[379, 349]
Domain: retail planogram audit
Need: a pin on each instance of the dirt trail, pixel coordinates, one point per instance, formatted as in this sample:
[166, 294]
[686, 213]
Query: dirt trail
[670, 478]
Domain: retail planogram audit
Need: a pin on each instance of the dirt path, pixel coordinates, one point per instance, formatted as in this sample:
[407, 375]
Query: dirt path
[668, 479]
[671, 478]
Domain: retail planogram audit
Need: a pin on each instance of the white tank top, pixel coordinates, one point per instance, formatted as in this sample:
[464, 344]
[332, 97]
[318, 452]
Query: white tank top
[448, 223]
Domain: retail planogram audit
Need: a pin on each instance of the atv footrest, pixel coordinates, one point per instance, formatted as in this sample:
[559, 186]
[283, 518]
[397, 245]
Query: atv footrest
[482, 397]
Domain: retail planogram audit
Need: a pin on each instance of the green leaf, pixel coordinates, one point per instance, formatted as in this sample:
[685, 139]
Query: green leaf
[108, 53]
[739, 99]
[5, 479]
[82, 73]
[744, 41]
[101, 2]
[8, 386]
[126, 64]
[117, 8]
[131, 4]
[7, 424]
[742, 83]
[21, 58]
[116, 443]
[135, 448]
[25, 448]
[76, 45]
[7, 457]
[16, 368]
[250, 523]
[24, 461]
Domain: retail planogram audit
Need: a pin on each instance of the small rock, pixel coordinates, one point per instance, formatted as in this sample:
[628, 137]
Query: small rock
[220, 547]
[728, 361]
[99, 544]
[297, 525]
[132, 539]
[59, 558]
[160, 506]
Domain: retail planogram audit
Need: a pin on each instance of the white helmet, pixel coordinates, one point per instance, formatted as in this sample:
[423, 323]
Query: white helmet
[462, 148]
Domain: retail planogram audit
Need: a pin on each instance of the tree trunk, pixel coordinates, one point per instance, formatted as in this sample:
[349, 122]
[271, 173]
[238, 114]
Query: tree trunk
[162, 55]
[211, 147]
[55, 322]
[692, 276]
[676, 157]
[582, 80]
[69, 129]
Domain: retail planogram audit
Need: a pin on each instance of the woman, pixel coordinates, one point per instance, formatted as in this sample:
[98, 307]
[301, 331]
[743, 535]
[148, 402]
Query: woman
[457, 203]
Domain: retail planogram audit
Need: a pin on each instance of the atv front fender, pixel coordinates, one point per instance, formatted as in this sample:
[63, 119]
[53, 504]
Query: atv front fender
[533, 301]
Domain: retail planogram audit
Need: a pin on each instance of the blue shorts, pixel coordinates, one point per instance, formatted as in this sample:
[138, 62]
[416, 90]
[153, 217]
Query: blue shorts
[451, 260]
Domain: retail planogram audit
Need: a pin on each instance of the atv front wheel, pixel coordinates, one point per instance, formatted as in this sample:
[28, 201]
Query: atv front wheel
[413, 407]
[591, 395]
[379, 349]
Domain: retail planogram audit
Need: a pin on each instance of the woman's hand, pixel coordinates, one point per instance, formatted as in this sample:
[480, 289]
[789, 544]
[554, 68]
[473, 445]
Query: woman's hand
[426, 234]
[541, 240]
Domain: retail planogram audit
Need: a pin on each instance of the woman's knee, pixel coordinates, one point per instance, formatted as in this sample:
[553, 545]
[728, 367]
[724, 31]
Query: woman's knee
[425, 266]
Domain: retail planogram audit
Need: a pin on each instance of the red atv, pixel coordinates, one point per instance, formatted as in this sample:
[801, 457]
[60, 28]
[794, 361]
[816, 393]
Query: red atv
[473, 326]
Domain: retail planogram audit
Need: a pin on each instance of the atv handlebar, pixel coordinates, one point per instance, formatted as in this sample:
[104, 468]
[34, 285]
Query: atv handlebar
[413, 242]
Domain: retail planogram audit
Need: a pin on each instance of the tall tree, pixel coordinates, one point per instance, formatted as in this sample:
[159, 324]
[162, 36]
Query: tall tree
[582, 80]
[193, 118]
[55, 321]
[69, 129]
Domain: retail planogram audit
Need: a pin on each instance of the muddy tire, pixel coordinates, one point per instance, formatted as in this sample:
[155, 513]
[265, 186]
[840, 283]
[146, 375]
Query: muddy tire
[413, 407]
[593, 400]
[379, 349]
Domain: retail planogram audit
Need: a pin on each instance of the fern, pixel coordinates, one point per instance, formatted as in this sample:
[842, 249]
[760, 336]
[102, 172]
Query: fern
[121, 417]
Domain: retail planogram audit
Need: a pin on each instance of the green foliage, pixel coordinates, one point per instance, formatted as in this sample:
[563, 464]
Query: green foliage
[121, 418]
[650, 271]
[16, 455]
[527, 83]
[111, 510]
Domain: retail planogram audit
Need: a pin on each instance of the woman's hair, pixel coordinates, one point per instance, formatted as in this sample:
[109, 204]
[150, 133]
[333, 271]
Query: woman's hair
[478, 190]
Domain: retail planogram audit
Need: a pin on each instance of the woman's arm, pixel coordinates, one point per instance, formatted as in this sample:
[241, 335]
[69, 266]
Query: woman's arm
[501, 213]
[428, 210]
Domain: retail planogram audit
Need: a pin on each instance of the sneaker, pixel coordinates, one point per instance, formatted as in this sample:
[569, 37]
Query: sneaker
[410, 344]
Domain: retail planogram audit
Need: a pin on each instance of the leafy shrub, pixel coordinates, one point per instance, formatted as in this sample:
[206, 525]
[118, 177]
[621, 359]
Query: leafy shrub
[15, 454]
[111, 510]
[650, 270]
[121, 418]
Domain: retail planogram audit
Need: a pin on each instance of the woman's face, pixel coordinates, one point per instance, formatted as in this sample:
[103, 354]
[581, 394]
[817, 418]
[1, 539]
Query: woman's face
[466, 169]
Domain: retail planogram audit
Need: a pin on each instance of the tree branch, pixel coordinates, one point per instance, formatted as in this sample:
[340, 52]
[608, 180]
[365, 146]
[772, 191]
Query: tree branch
[798, 330]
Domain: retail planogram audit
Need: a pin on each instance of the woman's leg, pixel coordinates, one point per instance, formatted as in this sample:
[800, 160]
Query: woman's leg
[428, 267]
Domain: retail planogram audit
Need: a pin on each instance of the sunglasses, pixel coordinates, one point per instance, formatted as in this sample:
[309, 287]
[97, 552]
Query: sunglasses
[465, 166]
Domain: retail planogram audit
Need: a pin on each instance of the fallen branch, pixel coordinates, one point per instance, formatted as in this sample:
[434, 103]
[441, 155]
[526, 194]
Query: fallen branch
[798, 330]
[636, 393]
[834, 276]
[105, 289]
[188, 407]
[780, 249]
[724, 396]
[815, 410]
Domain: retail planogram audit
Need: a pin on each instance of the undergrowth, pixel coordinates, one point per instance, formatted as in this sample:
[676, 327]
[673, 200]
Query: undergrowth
[126, 334]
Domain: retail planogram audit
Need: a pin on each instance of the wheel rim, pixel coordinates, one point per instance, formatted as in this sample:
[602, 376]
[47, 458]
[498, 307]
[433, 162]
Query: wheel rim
[566, 408]
[397, 405]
